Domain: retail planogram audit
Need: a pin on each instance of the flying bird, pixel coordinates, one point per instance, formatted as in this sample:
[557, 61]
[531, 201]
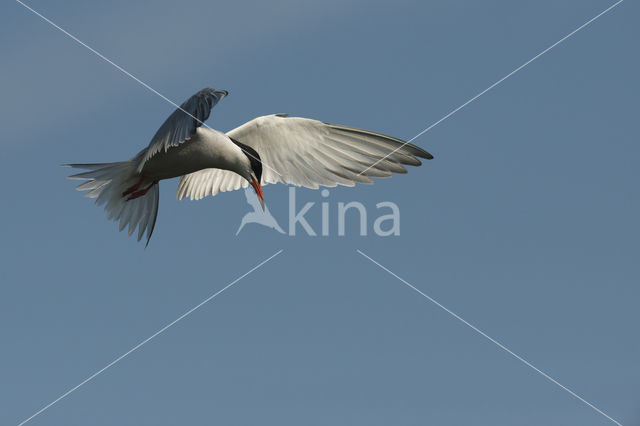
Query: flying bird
[268, 149]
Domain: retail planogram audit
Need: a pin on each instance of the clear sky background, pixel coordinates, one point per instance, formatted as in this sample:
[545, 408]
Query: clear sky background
[525, 223]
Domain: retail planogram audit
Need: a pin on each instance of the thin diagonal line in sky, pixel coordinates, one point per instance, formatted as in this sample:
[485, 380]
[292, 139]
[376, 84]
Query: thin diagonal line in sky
[145, 341]
[127, 73]
[491, 339]
[496, 83]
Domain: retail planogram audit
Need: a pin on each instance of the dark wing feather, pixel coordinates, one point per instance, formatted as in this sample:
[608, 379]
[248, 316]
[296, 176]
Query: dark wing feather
[182, 124]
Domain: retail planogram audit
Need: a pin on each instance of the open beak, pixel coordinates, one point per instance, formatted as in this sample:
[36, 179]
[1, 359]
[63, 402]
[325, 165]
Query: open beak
[258, 189]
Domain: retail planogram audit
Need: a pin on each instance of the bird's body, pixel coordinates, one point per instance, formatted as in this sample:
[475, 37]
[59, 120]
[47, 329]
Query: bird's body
[207, 149]
[290, 150]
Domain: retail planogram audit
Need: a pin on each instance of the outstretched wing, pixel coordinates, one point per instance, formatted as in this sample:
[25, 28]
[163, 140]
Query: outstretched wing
[309, 153]
[182, 124]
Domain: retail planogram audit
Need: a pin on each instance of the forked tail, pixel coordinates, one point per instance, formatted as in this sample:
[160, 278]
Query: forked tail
[127, 197]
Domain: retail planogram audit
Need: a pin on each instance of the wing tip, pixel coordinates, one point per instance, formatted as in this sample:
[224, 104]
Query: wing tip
[411, 148]
[426, 155]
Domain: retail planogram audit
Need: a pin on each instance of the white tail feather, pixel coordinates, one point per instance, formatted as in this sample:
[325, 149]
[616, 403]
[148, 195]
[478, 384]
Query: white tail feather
[107, 182]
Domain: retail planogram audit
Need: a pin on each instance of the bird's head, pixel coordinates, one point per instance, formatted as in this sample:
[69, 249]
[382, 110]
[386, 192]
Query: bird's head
[253, 169]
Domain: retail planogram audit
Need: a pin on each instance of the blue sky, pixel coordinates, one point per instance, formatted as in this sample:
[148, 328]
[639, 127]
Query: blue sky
[525, 223]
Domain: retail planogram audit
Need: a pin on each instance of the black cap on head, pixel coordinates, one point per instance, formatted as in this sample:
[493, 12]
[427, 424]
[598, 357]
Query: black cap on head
[254, 158]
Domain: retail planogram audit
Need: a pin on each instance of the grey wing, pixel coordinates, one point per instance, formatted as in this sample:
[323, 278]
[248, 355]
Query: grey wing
[182, 124]
[309, 153]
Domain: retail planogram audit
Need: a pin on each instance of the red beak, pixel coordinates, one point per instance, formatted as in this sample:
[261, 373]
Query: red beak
[258, 189]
